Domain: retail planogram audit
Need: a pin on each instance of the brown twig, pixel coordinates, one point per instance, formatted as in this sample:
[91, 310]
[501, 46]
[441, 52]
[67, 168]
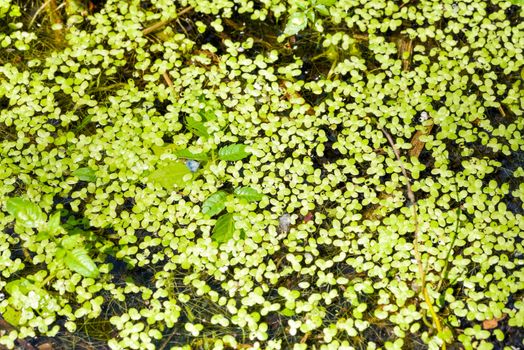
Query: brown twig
[165, 342]
[160, 24]
[416, 248]
[55, 18]
[416, 145]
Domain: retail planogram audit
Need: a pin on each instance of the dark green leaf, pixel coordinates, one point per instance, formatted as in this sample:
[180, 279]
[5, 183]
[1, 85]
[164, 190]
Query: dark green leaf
[171, 175]
[185, 153]
[214, 204]
[85, 174]
[79, 261]
[224, 228]
[296, 22]
[25, 212]
[248, 193]
[233, 152]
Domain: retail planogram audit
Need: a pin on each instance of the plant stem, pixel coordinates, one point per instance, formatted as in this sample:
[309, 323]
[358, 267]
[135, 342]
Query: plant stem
[416, 248]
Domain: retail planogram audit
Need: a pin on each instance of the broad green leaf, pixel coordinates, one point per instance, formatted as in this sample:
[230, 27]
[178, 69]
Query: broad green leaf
[303, 5]
[517, 2]
[248, 193]
[25, 212]
[322, 9]
[44, 234]
[224, 228]
[85, 174]
[159, 150]
[327, 3]
[207, 114]
[214, 204]
[79, 261]
[233, 152]
[185, 153]
[175, 173]
[296, 22]
[287, 312]
[60, 253]
[11, 315]
[311, 16]
[197, 127]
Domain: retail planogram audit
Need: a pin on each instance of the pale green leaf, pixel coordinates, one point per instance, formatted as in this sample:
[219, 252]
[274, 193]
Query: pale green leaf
[173, 174]
[326, 2]
[296, 22]
[322, 9]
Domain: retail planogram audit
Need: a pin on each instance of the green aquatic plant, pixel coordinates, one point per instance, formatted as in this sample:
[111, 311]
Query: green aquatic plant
[306, 12]
[220, 187]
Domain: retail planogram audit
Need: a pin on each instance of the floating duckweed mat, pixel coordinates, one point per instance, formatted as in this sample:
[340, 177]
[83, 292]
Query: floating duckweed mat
[262, 174]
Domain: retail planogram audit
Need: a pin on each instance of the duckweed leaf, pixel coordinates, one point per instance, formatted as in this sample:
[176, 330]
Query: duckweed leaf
[224, 228]
[296, 22]
[26, 213]
[79, 261]
[70, 242]
[215, 203]
[233, 152]
[173, 174]
[53, 224]
[85, 174]
[248, 193]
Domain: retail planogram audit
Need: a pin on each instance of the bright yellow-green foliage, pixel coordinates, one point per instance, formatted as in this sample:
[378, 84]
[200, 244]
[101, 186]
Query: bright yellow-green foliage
[216, 174]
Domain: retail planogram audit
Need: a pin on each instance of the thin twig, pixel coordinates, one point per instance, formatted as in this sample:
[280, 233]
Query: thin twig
[416, 249]
[164, 344]
[55, 18]
[38, 12]
[160, 24]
